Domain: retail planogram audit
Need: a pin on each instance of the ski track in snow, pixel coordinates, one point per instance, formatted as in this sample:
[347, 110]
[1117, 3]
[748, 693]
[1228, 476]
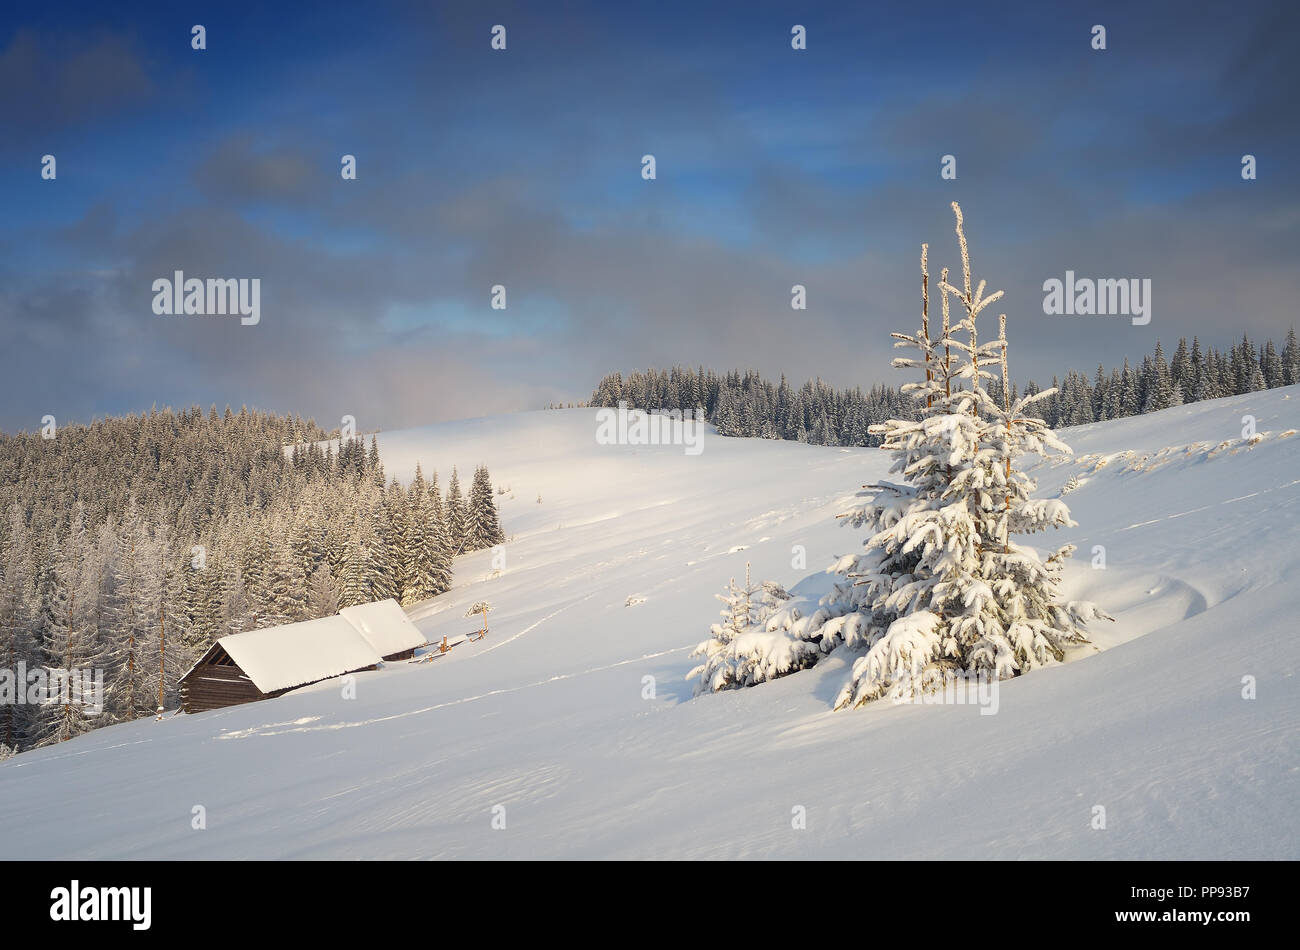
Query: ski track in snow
[1226, 501]
[300, 726]
[528, 629]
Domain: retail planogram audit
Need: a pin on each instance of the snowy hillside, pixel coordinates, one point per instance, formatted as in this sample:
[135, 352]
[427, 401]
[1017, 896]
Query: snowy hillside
[613, 558]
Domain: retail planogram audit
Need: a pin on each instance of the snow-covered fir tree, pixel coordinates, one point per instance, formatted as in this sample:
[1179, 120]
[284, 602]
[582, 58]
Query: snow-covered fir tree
[414, 541]
[18, 611]
[439, 541]
[482, 526]
[454, 514]
[236, 610]
[322, 593]
[354, 581]
[385, 555]
[1291, 360]
[426, 570]
[68, 647]
[132, 651]
[941, 586]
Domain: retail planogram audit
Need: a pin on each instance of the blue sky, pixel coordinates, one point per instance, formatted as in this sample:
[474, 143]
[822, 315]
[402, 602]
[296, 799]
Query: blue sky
[522, 167]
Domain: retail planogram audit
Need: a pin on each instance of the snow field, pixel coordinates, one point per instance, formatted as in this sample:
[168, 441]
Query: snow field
[610, 580]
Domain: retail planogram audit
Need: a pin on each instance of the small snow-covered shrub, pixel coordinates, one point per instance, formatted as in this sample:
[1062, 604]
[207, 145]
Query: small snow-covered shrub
[754, 642]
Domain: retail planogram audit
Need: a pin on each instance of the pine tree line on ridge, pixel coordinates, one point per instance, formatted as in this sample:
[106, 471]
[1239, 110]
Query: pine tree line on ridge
[745, 404]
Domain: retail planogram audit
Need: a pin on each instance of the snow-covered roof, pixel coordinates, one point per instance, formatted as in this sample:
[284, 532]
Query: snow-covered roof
[297, 653]
[385, 626]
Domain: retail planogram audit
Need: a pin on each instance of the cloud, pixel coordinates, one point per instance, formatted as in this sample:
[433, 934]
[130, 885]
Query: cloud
[237, 171]
[524, 171]
[48, 82]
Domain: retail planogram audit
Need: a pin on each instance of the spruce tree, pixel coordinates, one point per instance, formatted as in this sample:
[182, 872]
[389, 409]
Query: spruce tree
[322, 593]
[421, 557]
[454, 512]
[68, 647]
[439, 542]
[354, 581]
[17, 619]
[129, 657]
[1270, 365]
[384, 561]
[941, 587]
[286, 585]
[1291, 359]
[1180, 367]
[237, 614]
[482, 528]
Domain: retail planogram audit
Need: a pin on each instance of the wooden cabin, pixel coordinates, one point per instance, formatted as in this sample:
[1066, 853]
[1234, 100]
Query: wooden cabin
[386, 627]
[261, 664]
[216, 681]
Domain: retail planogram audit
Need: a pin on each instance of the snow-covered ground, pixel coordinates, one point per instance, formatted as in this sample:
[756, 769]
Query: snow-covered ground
[609, 579]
